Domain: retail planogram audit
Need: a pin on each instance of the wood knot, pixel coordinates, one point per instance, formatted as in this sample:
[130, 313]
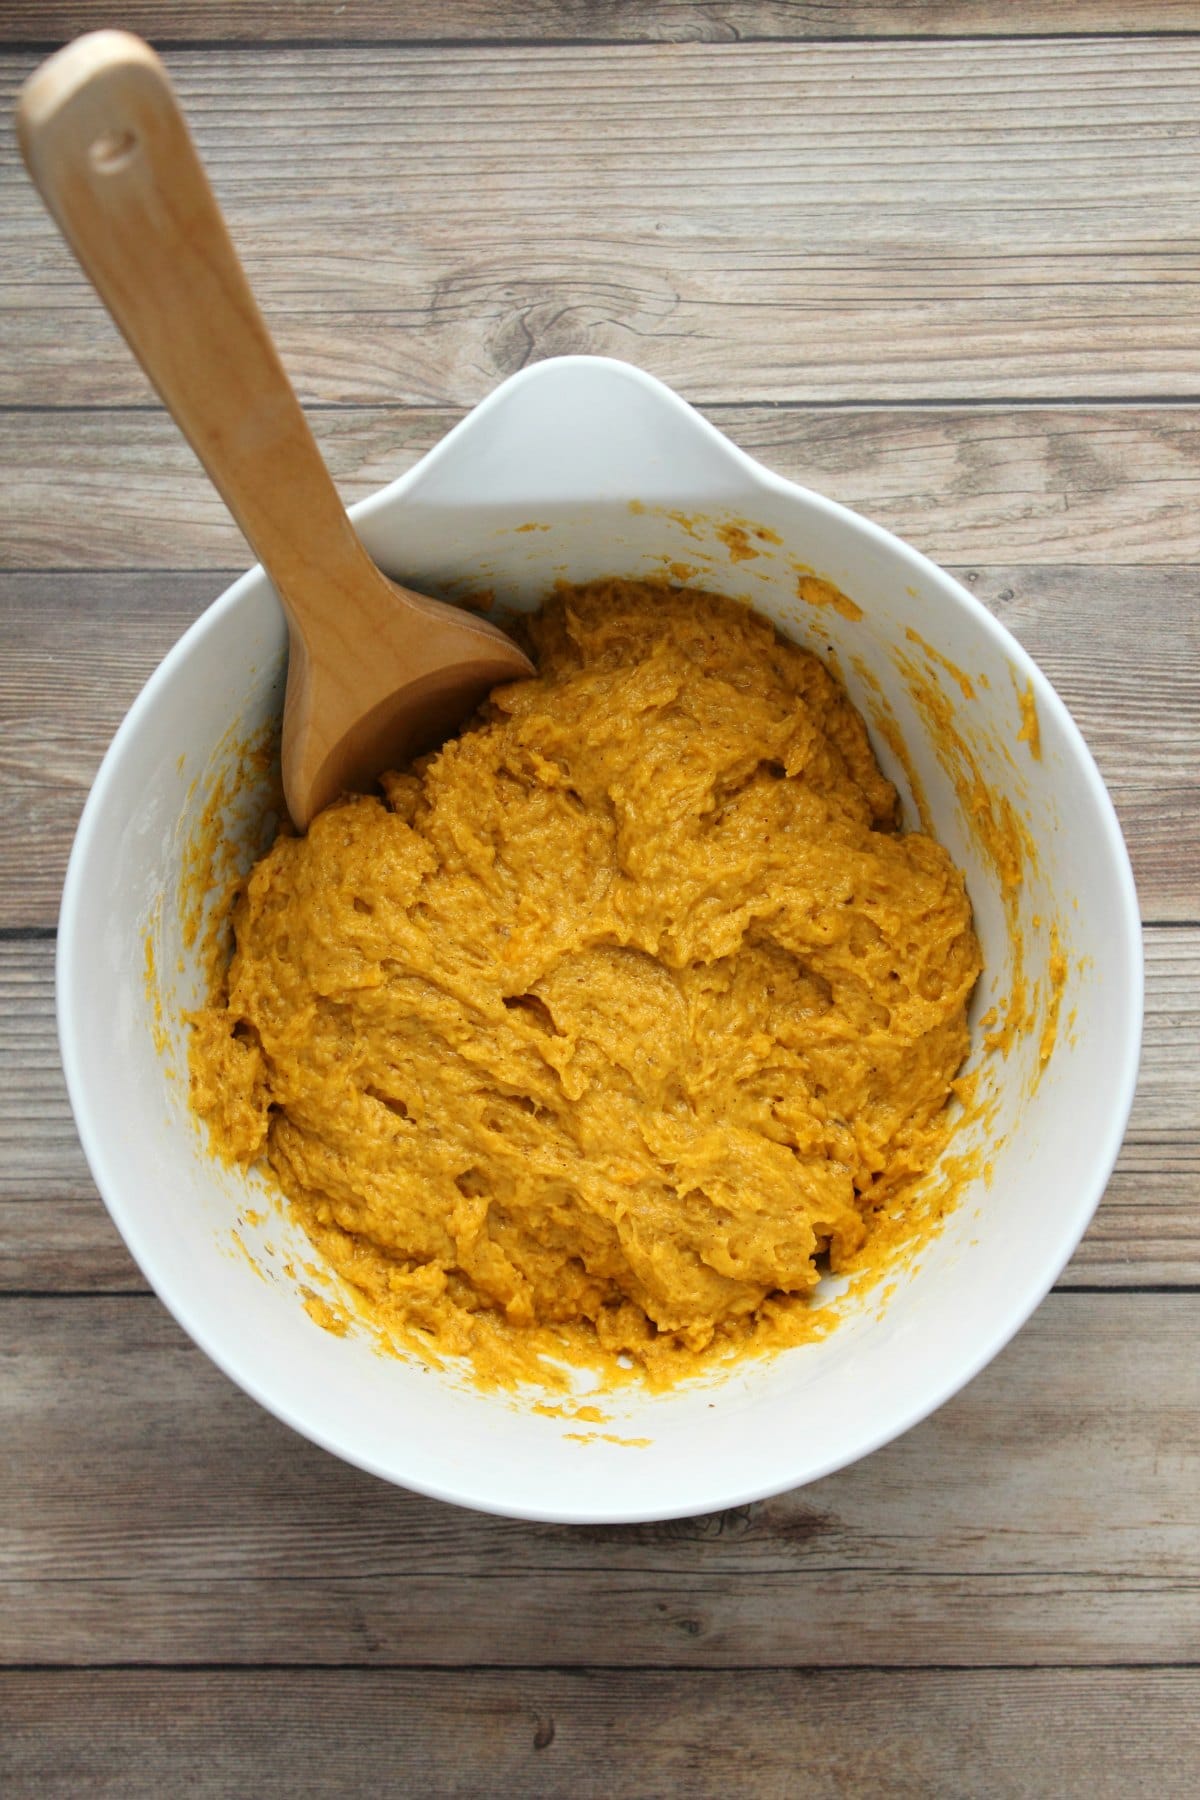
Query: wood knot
[543, 1735]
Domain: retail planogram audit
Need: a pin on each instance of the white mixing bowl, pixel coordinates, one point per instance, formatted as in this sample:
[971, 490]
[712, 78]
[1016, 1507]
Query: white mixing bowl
[566, 446]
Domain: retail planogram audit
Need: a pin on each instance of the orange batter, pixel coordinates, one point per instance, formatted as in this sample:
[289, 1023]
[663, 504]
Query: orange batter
[613, 1020]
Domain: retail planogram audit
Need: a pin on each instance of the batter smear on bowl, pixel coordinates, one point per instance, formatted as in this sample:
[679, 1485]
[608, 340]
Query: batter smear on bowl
[614, 1021]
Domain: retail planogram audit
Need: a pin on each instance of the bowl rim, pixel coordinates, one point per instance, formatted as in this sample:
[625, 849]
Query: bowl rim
[1072, 1221]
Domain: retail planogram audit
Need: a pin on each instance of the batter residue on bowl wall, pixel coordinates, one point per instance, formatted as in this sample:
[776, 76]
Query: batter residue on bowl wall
[614, 1021]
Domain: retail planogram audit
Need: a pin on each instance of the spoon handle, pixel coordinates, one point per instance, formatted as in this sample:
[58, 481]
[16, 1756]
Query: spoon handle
[108, 149]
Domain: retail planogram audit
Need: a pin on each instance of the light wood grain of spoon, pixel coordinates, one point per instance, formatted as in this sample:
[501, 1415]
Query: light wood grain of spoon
[375, 671]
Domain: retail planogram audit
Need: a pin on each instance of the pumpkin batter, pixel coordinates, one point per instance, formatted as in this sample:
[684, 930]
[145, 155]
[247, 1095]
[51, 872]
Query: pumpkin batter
[614, 1016]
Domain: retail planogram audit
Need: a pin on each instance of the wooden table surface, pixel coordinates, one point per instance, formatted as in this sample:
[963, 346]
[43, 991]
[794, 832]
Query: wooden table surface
[936, 258]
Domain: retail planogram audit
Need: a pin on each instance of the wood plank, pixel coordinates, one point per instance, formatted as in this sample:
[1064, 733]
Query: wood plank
[984, 220]
[652, 21]
[1116, 1734]
[55, 1236]
[1120, 644]
[149, 1512]
[64, 1246]
[1059, 485]
[121, 489]
[58, 720]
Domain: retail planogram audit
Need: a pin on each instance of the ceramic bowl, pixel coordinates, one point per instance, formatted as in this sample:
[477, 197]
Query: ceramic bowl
[575, 468]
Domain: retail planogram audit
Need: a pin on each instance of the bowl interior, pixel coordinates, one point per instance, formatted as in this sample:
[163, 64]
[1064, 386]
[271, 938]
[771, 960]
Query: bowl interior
[576, 469]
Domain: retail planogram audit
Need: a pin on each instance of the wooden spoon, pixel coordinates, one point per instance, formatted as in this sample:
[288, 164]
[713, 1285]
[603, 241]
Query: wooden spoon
[375, 671]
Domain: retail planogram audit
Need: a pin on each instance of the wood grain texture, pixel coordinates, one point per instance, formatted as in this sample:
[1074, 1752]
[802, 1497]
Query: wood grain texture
[1120, 644]
[999, 1735]
[654, 21]
[55, 1236]
[1052, 485]
[825, 222]
[151, 1513]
